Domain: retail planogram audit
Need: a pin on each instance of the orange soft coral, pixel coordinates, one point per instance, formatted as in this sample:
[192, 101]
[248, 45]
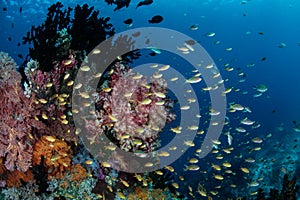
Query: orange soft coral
[77, 174]
[14, 178]
[57, 155]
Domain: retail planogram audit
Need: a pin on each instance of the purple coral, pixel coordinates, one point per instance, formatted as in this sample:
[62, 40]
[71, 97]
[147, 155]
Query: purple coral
[18, 120]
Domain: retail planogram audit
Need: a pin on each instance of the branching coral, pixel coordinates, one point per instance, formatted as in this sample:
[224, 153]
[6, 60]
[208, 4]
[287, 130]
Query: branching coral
[78, 173]
[54, 39]
[45, 36]
[59, 46]
[7, 62]
[132, 110]
[18, 121]
[14, 178]
[57, 155]
[53, 93]
[79, 191]
[88, 30]
[24, 192]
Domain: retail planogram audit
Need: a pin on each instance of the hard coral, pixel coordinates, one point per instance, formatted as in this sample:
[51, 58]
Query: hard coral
[17, 121]
[57, 155]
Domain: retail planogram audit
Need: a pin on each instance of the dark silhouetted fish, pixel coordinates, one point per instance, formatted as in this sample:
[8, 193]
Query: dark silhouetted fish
[156, 19]
[190, 42]
[20, 56]
[4, 9]
[128, 21]
[120, 3]
[144, 3]
[21, 9]
[152, 54]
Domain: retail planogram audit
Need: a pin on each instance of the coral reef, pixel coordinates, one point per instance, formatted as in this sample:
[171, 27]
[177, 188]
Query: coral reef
[57, 156]
[7, 62]
[45, 37]
[288, 191]
[132, 111]
[53, 93]
[88, 30]
[14, 178]
[19, 120]
[78, 173]
[148, 194]
[75, 190]
[39, 145]
[25, 192]
[62, 34]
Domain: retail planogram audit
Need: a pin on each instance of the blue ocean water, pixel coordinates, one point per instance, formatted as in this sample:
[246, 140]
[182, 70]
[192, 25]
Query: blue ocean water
[254, 29]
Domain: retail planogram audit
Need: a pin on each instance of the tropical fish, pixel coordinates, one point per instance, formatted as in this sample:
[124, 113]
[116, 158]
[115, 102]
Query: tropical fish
[194, 27]
[146, 101]
[96, 51]
[261, 88]
[193, 80]
[210, 34]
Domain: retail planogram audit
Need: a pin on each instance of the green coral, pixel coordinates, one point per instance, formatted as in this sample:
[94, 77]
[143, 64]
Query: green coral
[24, 192]
[75, 190]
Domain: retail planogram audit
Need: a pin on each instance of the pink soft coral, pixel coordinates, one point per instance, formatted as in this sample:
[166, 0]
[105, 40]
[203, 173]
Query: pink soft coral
[18, 120]
[134, 111]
